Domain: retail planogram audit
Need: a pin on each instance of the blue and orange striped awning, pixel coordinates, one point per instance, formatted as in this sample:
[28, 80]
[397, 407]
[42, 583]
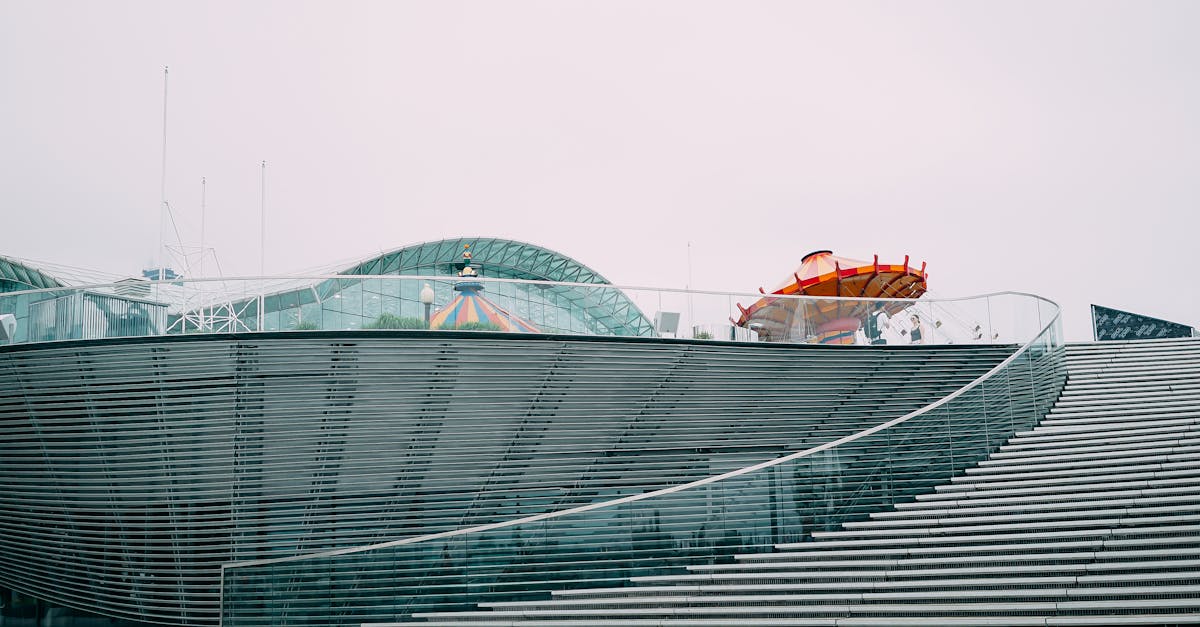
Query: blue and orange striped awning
[471, 306]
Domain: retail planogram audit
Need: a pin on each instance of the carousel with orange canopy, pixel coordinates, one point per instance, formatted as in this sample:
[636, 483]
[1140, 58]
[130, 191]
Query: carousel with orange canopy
[832, 321]
[472, 308]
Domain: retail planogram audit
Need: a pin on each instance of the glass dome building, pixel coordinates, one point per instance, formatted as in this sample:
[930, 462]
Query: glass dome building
[16, 276]
[348, 302]
[219, 469]
[44, 312]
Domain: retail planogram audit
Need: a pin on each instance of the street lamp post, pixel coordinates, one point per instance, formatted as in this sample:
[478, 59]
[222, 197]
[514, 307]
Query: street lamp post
[427, 300]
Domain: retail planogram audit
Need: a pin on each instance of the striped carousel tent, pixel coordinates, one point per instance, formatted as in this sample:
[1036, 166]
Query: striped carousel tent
[472, 307]
[822, 273]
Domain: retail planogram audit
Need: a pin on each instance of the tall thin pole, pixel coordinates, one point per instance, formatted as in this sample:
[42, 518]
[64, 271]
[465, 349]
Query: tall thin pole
[162, 206]
[203, 211]
[691, 313]
[689, 264]
[205, 321]
[262, 248]
[262, 231]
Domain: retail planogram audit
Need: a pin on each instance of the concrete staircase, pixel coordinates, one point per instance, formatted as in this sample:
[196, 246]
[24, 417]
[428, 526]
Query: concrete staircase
[1091, 518]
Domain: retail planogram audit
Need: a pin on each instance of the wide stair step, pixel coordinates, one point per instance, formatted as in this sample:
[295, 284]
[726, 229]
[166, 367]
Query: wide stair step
[1090, 518]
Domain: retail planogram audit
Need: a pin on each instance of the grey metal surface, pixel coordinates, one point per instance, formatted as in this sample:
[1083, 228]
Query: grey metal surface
[131, 470]
[1091, 518]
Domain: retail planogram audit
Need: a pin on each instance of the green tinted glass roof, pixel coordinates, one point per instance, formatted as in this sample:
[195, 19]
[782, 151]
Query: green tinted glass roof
[503, 258]
[25, 277]
[517, 259]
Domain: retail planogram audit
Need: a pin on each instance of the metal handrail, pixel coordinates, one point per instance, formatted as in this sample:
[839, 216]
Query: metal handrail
[227, 303]
[444, 278]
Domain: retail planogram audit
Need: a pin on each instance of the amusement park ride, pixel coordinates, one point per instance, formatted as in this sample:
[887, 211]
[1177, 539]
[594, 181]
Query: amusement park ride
[851, 290]
[470, 309]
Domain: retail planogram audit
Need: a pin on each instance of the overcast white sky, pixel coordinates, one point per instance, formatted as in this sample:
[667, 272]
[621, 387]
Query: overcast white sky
[1050, 147]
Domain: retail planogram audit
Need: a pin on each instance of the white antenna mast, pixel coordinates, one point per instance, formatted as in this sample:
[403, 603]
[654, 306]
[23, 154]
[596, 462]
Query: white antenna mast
[162, 207]
[203, 208]
[262, 248]
[690, 287]
[204, 319]
[262, 245]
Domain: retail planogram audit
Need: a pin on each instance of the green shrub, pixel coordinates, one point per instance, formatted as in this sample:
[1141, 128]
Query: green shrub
[702, 335]
[307, 325]
[392, 321]
[478, 326]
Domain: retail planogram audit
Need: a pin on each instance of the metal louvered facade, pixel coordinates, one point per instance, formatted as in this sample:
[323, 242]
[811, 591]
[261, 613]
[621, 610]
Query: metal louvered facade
[1089, 518]
[133, 469]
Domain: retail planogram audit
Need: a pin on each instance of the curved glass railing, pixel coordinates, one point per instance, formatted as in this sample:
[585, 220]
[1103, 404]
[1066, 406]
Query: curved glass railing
[661, 532]
[351, 303]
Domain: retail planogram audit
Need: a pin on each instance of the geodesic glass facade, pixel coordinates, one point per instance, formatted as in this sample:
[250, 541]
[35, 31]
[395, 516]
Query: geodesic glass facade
[16, 276]
[351, 303]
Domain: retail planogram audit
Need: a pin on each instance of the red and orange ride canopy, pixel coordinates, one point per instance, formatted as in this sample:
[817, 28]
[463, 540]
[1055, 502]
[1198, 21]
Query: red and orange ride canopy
[822, 273]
